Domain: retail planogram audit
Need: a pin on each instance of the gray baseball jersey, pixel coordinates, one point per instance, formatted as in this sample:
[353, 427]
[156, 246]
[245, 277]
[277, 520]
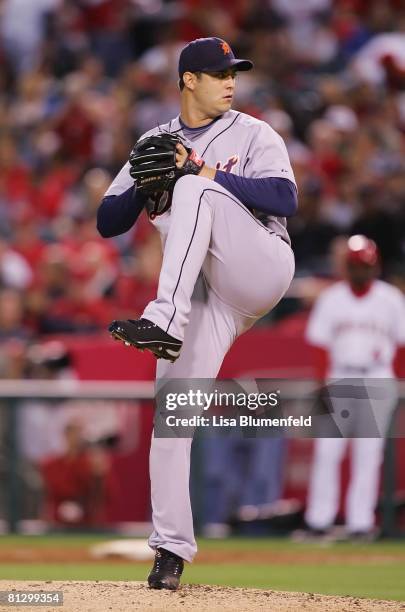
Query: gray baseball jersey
[238, 143]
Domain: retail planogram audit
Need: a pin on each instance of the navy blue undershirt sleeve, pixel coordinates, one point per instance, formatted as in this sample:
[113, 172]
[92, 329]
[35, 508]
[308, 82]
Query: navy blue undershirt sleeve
[118, 213]
[272, 195]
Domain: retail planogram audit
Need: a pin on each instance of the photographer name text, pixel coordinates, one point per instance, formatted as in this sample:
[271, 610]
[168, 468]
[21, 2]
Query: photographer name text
[240, 421]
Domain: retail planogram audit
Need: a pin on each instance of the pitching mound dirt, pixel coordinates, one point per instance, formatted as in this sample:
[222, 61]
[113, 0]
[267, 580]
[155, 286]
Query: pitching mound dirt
[134, 596]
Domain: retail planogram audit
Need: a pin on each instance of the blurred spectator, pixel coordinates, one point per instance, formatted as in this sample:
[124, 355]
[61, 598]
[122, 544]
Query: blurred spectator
[78, 483]
[282, 123]
[106, 23]
[308, 33]
[23, 29]
[14, 269]
[162, 59]
[12, 315]
[379, 224]
[243, 481]
[382, 60]
[137, 284]
[16, 181]
[75, 126]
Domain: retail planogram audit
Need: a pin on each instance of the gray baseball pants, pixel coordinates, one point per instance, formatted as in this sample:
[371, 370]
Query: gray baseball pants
[243, 270]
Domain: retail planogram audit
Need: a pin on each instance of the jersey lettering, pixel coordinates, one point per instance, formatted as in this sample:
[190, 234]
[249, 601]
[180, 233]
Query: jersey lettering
[228, 165]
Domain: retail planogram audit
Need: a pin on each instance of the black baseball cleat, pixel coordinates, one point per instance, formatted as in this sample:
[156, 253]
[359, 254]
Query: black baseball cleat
[143, 334]
[166, 571]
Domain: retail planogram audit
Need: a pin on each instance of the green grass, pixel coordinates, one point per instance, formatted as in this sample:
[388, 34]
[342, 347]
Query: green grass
[380, 578]
[229, 544]
[391, 547]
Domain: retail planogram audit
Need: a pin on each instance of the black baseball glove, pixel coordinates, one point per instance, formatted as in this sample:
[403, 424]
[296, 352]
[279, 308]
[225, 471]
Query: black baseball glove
[158, 203]
[153, 166]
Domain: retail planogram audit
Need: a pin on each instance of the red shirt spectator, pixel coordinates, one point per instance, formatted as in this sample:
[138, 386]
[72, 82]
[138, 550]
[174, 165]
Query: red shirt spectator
[79, 483]
[76, 131]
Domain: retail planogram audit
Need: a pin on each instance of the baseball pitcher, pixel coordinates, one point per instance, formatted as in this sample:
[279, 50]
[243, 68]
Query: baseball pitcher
[218, 186]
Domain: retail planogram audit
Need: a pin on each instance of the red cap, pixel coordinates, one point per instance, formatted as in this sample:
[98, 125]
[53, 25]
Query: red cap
[362, 250]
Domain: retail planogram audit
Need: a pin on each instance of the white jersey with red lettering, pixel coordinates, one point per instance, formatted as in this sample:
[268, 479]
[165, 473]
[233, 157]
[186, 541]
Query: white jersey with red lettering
[361, 333]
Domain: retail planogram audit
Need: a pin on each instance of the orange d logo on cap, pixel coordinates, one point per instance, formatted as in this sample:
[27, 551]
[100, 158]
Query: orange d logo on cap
[225, 47]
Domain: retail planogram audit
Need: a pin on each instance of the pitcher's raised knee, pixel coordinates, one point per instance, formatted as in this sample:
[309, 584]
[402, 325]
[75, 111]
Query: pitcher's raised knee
[191, 186]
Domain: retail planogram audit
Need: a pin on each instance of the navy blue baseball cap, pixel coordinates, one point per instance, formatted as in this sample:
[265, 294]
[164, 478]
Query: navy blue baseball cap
[210, 55]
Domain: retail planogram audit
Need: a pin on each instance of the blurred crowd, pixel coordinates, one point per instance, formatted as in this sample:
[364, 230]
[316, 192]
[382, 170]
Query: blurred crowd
[81, 80]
